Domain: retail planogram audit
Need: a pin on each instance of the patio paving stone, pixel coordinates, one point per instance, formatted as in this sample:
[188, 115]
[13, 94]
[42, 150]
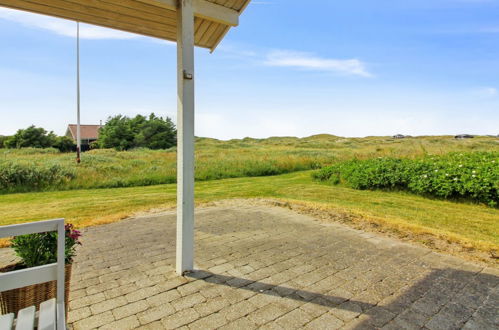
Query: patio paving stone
[270, 268]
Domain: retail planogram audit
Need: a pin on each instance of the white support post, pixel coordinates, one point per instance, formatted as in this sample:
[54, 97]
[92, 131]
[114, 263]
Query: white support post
[61, 263]
[185, 137]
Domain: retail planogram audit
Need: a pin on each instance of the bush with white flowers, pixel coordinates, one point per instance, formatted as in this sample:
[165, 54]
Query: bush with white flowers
[473, 175]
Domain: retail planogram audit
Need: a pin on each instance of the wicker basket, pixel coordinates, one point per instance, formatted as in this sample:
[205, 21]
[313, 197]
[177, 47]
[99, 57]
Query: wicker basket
[12, 301]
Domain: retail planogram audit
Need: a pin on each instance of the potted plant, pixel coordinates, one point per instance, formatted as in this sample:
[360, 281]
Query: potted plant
[37, 250]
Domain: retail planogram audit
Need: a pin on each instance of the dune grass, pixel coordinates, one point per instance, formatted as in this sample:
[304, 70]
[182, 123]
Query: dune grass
[467, 225]
[215, 160]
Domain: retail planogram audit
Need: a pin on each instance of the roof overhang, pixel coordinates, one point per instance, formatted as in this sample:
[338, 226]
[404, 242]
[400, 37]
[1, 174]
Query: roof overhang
[154, 18]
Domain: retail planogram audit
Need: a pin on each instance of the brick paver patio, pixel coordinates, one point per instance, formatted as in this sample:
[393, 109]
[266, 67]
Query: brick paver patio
[262, 267]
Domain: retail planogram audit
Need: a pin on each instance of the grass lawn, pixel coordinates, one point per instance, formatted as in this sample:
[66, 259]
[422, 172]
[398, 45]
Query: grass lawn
[467, 225]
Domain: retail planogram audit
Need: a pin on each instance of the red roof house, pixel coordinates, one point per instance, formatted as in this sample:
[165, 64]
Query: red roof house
[89, 133]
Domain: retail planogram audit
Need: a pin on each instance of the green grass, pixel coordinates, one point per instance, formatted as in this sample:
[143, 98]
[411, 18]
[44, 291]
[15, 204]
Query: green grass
[215, 160]
[468, 225]
[275, 168]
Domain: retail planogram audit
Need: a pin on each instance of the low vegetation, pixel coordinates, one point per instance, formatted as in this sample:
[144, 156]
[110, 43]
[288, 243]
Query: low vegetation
[16, 177]
[471, 176]
[463, 226]
[20, 169]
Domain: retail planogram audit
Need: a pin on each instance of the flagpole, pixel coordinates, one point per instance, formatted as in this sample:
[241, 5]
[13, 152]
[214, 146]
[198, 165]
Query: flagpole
[78, 131]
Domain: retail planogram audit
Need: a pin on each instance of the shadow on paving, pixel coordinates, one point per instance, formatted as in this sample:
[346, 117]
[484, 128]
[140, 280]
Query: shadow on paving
[445, 299]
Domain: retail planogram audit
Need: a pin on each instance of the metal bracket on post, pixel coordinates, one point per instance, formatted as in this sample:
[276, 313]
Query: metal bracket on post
[188, 75]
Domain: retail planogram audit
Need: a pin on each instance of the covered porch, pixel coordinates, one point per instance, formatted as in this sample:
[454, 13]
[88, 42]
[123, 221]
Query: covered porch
[189, 23]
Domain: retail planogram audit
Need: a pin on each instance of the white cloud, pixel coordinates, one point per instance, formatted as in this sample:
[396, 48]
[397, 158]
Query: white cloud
[285, 58]
[236, 51]
[487, 91]
[491, 90]
[62, 27]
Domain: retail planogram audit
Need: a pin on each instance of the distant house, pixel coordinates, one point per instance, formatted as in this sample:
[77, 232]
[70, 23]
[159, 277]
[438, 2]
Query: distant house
[400, 136]
[89, 134]
[464, 136]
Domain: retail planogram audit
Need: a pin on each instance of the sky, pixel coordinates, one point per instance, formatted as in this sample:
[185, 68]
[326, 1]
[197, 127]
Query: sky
[291, 68]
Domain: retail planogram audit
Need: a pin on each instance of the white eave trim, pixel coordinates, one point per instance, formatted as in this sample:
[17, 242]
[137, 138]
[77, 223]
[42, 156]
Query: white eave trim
[207, 10]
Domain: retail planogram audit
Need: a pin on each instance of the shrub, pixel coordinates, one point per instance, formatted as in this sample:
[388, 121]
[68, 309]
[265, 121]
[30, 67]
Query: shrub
[29, 177]
[41, 248]
[3, 138]
[473, 176]
[94, 145]
[63, 144]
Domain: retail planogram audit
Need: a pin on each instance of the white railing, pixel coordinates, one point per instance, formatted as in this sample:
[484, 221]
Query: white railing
[41, 274]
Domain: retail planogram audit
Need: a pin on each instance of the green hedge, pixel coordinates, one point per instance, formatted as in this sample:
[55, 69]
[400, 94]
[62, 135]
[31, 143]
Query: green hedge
[18, 177]
[473, 176]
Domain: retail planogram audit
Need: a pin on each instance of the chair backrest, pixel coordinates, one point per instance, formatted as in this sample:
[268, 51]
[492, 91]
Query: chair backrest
[41, 274]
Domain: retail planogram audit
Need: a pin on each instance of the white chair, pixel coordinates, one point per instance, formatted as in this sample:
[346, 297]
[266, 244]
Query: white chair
[51, 315]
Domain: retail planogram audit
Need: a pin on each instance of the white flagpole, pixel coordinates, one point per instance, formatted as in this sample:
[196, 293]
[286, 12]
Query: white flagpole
[78, 131]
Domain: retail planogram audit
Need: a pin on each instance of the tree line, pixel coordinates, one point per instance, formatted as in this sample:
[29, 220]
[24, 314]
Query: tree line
[36, 137]
[119, 132]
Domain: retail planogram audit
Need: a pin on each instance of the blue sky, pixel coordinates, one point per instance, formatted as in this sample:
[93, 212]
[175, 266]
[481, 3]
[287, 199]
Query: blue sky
[349, 68]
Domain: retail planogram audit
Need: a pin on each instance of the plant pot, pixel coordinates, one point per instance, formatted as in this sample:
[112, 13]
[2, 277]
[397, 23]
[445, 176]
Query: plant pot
[12, 301]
